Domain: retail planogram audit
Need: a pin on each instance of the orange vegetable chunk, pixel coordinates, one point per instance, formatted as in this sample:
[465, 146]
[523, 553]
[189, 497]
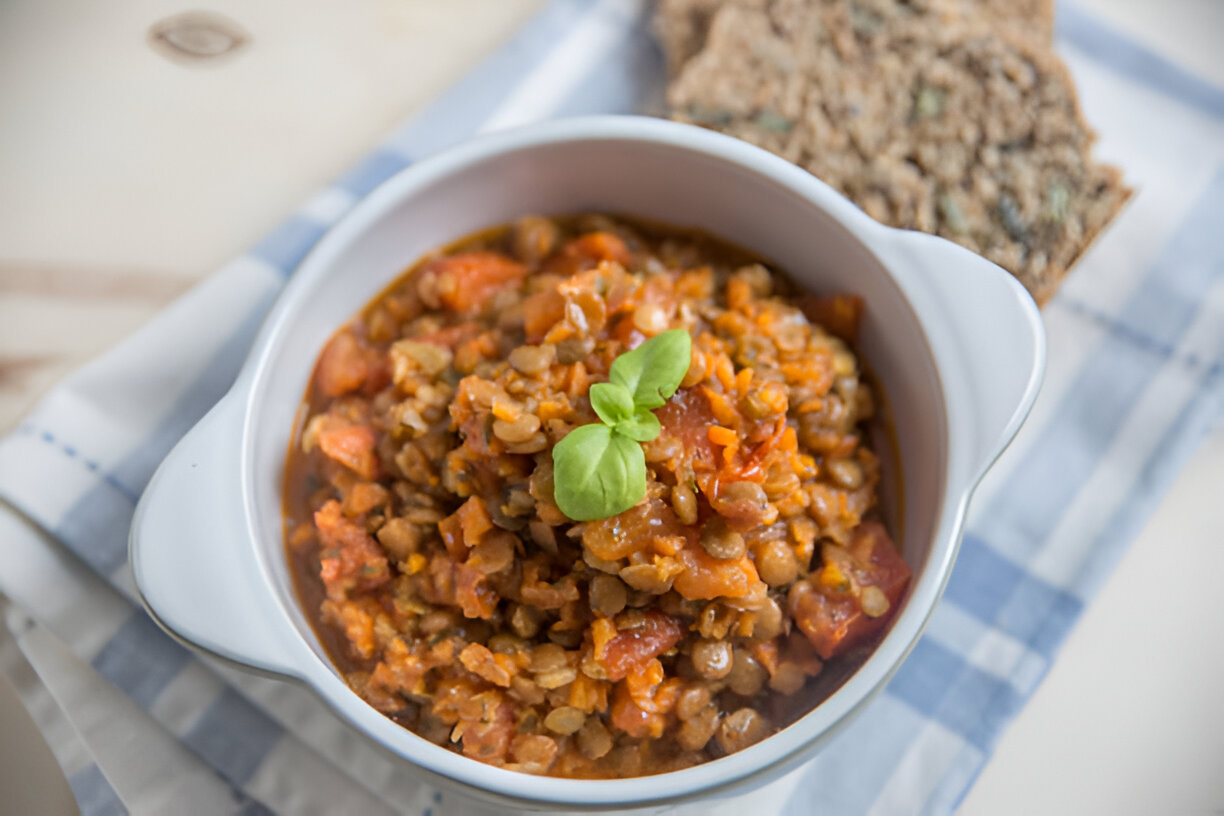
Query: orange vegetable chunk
[353, 447]
[828, 609]
[467, 280]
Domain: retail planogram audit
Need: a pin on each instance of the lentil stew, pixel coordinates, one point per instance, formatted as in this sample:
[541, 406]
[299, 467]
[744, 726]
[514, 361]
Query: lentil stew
[453, 594]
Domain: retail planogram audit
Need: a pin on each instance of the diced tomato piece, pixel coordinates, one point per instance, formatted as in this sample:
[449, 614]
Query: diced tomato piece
[634, 721]
[588, 694]
[467, 280]
[587, 251]
[357, 618]
[343, 366]
[489, 740]
[541, 312]
[353, 447]
[687, 417]
[439, 585]
[839, 315]
[619, 536]
[364, 497]
[400, 672]
[830, 613]
[541, 593]
[473, 594]
[477, 659]
[378, 367]
[464, 528]
[706, 577]
[635, 647]
[350, 558]
[452, 536]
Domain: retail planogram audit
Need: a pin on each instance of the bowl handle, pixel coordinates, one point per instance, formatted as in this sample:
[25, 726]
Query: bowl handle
[986, 332]
[192, 555]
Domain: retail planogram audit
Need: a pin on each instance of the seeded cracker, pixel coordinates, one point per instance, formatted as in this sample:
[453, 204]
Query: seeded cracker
[682, 25]
[927, 119]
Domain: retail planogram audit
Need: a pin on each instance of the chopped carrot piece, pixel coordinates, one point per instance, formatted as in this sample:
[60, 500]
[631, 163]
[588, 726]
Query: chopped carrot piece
[635, 648]
[603, 631]
[743, 379]
[587, 251]
[721, 406]
[739, 294]
[416, 563]
[342, 366]
[706, 577]
[541, 312]
[467, 280]
[668, 545]
[504, 410]
[364, 497]
[353, 447]
[474, 521]
[551, 409]
[578, 381]
[452, 536]
[350, 559]
[628, 717]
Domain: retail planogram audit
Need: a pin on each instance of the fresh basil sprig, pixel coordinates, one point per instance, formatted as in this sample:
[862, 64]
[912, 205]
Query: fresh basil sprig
[599, 470]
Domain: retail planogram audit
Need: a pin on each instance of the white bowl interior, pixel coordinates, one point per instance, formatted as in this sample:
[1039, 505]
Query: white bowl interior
[660, 180]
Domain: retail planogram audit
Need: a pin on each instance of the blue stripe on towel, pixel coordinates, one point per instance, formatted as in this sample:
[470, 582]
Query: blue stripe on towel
[140, 659]
[450, 119]
[1128, 58]
[1168, 458]
[94, 794]
[941, 685]
[631, 80]
[254, 808]
[372, 171]
[1172, 293]
[1046, 481]
[48, 438]
[848, 773]
[1005, 596]
[286, 246]
[96, 527]
[234, 736]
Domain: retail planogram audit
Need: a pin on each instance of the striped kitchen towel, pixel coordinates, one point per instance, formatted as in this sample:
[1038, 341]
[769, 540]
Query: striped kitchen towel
[1136, 342]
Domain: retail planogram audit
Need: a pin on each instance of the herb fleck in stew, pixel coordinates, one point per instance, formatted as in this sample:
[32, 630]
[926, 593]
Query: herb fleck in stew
[707, 567]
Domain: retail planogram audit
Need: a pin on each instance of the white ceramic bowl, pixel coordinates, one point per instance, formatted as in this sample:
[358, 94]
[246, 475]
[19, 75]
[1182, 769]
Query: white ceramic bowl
[955, 341]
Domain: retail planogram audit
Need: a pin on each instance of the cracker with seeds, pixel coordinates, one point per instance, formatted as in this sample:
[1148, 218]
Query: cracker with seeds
[681, 25]
[943, 126]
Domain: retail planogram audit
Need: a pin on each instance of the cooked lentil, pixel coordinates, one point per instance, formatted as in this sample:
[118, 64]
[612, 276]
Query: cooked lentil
[455, 596]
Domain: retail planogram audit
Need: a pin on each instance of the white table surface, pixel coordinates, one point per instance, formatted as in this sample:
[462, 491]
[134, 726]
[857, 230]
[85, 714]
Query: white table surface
[125, 177]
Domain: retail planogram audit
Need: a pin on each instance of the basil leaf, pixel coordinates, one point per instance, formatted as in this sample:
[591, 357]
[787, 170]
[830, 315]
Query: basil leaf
[652, 372]
[612, 402]
[641, 427]
[597, 473]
